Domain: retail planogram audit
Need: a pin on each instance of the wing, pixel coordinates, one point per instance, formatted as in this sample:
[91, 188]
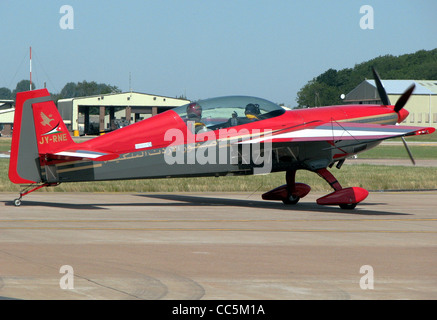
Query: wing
[342, 131]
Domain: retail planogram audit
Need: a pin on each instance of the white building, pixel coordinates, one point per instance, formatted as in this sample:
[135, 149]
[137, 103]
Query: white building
[422, 104]
[134, 107]
[7, 112]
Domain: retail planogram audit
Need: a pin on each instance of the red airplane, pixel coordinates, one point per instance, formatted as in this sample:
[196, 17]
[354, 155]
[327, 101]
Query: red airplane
[236, 135]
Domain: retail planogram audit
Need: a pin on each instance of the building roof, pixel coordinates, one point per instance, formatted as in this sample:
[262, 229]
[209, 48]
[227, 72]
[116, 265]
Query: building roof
[399, 86]
[6, 105]
[123, 98]
[429, 84]
[367, 92]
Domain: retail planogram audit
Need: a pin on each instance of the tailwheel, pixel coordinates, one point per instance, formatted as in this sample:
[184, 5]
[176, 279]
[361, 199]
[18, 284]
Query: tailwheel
[31, 188]
[17, 202]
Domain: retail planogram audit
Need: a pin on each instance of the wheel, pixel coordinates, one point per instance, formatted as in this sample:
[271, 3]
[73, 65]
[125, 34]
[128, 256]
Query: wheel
[17, 202]
[350, 206]
[291, 200]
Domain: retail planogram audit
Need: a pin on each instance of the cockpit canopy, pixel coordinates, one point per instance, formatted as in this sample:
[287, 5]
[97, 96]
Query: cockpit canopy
[225, 112]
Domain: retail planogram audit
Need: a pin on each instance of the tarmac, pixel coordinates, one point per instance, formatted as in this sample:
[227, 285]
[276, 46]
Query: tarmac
[216, 246]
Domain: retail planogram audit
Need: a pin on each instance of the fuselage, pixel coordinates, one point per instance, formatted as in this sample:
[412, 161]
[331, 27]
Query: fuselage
[164, 145]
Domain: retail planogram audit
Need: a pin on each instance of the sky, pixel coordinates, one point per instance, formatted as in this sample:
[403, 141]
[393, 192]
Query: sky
[204, 48]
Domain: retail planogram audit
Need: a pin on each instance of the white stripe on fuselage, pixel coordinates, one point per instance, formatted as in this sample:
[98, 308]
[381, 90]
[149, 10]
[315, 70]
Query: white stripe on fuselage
[334, 134]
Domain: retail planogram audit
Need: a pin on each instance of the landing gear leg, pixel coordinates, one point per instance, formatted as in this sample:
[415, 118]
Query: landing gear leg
[290, 178]
[325, 174]
[346, 198]
[31, 188]
[289, 193]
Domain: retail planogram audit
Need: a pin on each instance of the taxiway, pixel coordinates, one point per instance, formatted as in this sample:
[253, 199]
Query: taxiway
[217, 246]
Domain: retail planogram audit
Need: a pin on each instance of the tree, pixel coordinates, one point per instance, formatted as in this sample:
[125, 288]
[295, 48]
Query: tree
[85, 88]
[23, 85]
[316, 94]
[329, 78]
[326, 88]
[69, 90]
[5, 93]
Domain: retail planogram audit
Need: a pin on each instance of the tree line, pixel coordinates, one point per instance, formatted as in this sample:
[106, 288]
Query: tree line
[327, 88]
[70, 90]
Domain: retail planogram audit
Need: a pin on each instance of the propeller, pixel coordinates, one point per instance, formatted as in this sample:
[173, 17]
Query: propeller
[402, 101]
[381, 91]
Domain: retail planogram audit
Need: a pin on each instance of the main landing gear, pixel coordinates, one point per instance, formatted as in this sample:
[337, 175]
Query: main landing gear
[289, 193]
[31, 188]
[292, 192]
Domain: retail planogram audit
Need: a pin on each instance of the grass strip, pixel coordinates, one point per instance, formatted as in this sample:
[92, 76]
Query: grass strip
[370, 177]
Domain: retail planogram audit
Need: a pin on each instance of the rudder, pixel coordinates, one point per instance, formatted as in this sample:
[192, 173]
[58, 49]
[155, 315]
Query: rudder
[38, 130]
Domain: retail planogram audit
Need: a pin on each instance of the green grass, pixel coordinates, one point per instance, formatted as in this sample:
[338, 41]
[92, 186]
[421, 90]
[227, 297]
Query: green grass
[399, 152]
[5, 144]
[426, 137]
[366, 176]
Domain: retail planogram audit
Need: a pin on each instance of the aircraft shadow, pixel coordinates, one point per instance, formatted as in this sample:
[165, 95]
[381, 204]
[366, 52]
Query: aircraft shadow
[73, 206]
[189, 200]
[275, 205]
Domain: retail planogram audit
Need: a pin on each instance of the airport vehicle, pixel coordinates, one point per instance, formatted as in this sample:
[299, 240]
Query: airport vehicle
[235, 135]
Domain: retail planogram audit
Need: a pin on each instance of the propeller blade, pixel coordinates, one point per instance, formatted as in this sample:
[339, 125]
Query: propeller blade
[408, 150]
[402, 101]
[381, 91]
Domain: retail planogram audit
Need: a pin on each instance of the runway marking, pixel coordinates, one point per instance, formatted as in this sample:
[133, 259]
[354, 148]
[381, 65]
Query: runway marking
[216, 229]
[179, 229]
[213, 220]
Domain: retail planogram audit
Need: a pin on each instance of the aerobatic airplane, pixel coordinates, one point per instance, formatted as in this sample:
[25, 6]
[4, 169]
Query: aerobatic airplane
[236, 135]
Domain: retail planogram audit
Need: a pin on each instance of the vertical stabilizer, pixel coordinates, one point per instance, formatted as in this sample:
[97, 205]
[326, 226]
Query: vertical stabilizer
[38, 130]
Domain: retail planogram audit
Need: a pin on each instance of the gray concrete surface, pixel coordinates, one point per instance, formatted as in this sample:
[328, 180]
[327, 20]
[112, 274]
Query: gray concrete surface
[216, 246]
[394, 162]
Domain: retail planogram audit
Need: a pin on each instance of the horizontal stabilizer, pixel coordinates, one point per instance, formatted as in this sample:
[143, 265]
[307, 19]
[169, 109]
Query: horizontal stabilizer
[71, 155]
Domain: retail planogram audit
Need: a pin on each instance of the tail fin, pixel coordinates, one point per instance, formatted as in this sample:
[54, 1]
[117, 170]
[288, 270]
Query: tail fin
[38, 130]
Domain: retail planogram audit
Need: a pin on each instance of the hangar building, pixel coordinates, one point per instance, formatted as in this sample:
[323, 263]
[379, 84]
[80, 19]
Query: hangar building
[7, 112]
[422, 104]
[124, 108]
